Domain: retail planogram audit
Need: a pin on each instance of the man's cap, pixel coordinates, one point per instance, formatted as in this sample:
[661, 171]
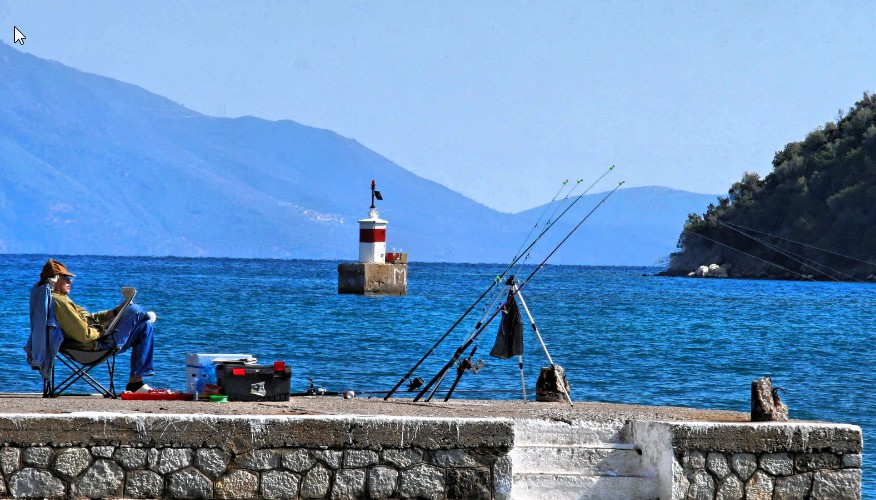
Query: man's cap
[54, 268]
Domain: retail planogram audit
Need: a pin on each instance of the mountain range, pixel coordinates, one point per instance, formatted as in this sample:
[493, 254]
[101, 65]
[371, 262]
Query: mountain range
[92, 165]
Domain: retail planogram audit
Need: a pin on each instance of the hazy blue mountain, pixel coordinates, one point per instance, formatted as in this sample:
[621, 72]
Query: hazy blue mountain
[91, 165]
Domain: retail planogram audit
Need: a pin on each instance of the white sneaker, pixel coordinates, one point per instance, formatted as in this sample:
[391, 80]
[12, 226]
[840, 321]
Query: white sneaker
[144, 389]
[152, 316]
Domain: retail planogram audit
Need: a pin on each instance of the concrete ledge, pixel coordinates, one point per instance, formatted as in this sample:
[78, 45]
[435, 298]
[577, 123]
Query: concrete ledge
[790, 437]
[239, 434]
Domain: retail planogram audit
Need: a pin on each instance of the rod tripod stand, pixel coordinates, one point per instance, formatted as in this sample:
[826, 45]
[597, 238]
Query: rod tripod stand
[512, 290]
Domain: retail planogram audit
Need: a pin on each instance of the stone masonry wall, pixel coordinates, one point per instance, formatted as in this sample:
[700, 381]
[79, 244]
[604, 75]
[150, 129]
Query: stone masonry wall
[754, 461]
[373, 279]
[198, 456]
[96, 455]
[125, 471]
[776, 476]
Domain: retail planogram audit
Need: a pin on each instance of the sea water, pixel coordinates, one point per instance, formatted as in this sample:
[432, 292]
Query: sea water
[622, 334]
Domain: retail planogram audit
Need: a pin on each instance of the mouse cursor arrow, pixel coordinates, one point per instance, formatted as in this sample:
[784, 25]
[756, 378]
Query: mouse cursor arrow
[18, 36]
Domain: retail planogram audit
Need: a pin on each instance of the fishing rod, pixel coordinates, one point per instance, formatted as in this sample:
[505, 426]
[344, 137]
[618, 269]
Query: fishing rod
[493, 284]
[349, 393]
[383, 391]
[787, 254]
[511, 295]
[487, 291]
[493, 303]
[540, 217]
[463, 366]
[560, 204]
[546, 208]
[468, 363]
[489, 307]
[435, 389]
[480, 330]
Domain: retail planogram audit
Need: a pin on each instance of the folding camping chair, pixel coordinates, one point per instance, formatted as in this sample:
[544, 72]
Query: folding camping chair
[47, 343]
[80, 361]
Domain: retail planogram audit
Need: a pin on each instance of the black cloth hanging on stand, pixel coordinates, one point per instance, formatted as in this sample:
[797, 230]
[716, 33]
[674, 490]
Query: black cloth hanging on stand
[509, 340]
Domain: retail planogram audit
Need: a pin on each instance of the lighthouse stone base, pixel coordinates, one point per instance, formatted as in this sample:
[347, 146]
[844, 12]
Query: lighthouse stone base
[373, 279]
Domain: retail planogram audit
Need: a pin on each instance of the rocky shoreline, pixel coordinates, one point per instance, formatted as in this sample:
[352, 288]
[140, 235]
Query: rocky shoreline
[727, 271]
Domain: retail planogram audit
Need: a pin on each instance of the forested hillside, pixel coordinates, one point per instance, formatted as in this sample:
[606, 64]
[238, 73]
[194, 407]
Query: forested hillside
[813, 215]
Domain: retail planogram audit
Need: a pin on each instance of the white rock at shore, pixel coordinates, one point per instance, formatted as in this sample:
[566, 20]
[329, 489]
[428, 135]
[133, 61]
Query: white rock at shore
[710, 271]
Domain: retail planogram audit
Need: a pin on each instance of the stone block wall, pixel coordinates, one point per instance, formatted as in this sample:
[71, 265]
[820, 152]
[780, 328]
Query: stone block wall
[373, 279]
[125, 471]
[777, 476]
[85, 455]
[198, 456]
[769, 461]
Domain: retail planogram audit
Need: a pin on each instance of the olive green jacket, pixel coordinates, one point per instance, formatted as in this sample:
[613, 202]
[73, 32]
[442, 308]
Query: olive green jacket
[77, 323]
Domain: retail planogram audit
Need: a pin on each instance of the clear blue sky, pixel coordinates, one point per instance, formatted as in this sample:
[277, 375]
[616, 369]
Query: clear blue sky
[497, 100]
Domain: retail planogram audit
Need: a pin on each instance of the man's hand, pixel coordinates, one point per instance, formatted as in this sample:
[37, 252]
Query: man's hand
[108, 318]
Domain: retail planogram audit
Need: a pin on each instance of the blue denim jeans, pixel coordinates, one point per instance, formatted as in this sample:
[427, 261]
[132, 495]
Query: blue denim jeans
[134, 331]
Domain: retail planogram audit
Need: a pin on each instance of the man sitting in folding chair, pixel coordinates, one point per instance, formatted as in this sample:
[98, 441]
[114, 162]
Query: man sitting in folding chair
[133, 330]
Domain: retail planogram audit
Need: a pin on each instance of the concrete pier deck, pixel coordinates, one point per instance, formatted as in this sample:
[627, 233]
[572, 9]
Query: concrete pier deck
[372, 406]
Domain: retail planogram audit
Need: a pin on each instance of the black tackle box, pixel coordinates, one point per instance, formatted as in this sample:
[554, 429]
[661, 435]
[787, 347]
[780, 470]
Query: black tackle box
[255, 382]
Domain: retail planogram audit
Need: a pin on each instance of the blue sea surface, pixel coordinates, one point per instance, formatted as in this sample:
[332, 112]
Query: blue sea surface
[622, 334]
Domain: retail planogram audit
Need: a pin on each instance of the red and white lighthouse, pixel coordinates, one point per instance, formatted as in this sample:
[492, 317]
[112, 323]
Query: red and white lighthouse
[372, 234]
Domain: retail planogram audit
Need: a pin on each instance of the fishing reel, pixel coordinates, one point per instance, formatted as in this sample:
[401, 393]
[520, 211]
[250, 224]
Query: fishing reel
[469, 364]
[314, 391]
[415, 384]
[477, 366]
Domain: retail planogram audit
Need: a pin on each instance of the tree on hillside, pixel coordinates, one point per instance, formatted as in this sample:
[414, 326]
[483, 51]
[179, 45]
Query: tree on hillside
[821, 194]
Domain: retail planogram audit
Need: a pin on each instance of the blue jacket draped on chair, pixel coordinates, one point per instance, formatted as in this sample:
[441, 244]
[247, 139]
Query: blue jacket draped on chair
[45, 333]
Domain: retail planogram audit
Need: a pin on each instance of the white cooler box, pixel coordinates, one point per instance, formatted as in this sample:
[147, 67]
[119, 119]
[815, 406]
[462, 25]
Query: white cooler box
[200, 368]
